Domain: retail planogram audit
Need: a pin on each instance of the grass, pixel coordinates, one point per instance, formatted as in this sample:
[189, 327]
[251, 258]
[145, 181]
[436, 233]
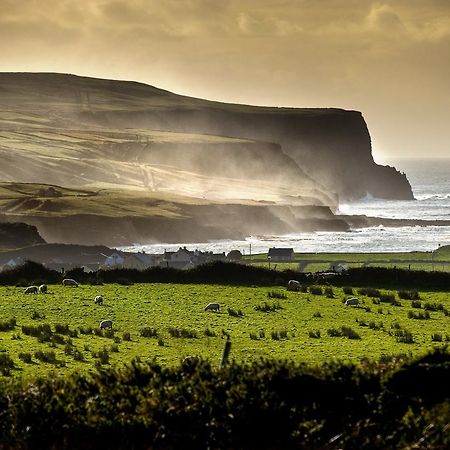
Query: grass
[316, 262]
[173, 317]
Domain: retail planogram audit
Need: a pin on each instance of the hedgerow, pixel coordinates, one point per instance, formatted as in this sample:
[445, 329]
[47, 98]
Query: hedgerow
[266, 404]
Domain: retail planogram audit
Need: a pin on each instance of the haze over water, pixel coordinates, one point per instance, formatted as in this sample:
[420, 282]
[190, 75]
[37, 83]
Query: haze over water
[430, 180]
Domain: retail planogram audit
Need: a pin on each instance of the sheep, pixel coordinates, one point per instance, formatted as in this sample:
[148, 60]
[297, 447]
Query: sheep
[98, 300]
[351, 301]
[293, 285]
[43, 289]
[106, 324]
[69, 282]
[31, 290]
[212, 307]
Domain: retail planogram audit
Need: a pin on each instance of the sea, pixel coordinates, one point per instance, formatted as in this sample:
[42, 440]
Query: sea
[430, 181]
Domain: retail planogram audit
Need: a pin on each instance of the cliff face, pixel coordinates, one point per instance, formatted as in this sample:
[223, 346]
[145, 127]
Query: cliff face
[16, 235]
[332, 146]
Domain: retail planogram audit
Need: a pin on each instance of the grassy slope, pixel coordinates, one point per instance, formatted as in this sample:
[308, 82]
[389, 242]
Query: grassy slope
[182, 306]
[46, 138]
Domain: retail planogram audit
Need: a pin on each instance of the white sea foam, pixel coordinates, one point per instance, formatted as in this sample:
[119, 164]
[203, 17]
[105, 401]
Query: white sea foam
[431, 185]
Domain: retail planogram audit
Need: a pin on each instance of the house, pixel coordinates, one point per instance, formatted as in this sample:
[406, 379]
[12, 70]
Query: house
[181, 255]
[280, 254]
[114, 260]
[141, 261]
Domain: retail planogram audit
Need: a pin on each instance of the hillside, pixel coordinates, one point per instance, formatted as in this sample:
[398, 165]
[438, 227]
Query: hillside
[83, 156]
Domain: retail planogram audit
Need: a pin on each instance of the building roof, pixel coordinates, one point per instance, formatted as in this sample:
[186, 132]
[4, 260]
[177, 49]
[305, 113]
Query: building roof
[280, 251]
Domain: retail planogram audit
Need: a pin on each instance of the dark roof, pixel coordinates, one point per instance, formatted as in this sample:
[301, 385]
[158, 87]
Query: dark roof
[280, 251]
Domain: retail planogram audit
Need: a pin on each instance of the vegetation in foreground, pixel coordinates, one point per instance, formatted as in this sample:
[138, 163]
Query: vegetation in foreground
[392, 404]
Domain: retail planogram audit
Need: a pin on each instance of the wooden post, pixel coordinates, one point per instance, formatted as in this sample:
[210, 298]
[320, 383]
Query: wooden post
[225, 353]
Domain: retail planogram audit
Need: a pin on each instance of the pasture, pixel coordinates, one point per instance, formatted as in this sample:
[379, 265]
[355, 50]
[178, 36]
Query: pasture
[166, 322]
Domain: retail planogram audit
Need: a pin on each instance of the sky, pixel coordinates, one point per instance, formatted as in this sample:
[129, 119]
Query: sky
[388, 59]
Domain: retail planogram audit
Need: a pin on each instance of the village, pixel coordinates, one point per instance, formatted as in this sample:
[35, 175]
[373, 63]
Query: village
[91, 259]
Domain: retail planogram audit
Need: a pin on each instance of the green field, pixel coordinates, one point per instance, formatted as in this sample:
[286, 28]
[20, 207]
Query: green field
[161, 306]
[438, 260]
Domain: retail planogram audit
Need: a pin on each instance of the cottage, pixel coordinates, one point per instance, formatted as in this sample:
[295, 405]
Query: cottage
[114, 260]
[141, 261]
[280, 254]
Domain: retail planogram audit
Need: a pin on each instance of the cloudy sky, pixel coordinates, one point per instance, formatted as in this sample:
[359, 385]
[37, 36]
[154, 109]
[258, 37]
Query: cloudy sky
[388, 59]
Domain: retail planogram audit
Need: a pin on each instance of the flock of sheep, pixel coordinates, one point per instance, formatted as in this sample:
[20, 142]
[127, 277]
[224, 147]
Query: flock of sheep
[43, 289]
[293, 285]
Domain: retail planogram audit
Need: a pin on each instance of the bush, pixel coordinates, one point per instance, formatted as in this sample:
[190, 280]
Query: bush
[85, 330]
[124, 281]
[278, 335]
[102, 356]
[429, 306]
[408, 295]
[126, 336]
[235, 313]
[369, 292]
[209, 333]
[266, 307]
[275, 294]
[404, 336]
[149, 332]
[6, 364]
[420, 315]
[315, 290]
[374, 326]
[315, 334]
[43, 333]
[182, 333]
[436, 337]
[343, 332]
[47, 357]
[161, 342]
[8, 325]
[114, 348]
[253, 337]
[78, 356]
[36, 315]
[317, 315]
[262, 335]
[387, 298]
[416, 304]
[347, 290]
[329, 292]
[26, 358]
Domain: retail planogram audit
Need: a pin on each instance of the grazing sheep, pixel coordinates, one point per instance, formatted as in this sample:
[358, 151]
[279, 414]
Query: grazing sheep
[106, 324]
[351, 301]
[31, 290]
[98, 300]
[43, 289]
[69, 282]
[293, 285]
[212, 307]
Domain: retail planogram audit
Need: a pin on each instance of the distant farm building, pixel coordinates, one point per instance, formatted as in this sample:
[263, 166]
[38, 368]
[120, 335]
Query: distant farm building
[114, 260]
[281, 254]
[141, 261]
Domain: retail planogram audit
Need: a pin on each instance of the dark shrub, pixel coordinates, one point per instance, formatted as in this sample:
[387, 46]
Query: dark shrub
[387, 298]
[409, 295]
[126, 336]
[149, 332]
[161, 342]
[36, 315]
[253, 337]
[8, 325]
[429, 306]
[350, 333]
[315, 290]
[347, 290]
[315, 334]
[26, 358]
[182, 333]
[124, 282]
[77, 355]
[102, 356]
[6, 364]
[329, 292]
[420, 315]
[404, 336]
[416, 304]
[333, 332]
[86, 330]
[436, 337]
[317, 315]
[275, 294]
[232, 312]
[47, 357]
[209, 333]
[266, 307]
[114, 348]
[369, 292]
